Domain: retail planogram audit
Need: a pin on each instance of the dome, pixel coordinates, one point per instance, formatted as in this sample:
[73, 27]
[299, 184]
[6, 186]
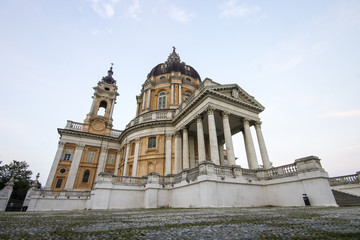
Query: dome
[109, 79]
[173, 64]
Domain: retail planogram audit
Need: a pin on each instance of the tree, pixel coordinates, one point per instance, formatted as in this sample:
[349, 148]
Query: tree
[21, 173]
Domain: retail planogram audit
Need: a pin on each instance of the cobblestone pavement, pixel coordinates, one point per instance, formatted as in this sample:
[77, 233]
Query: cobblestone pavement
[218, 223]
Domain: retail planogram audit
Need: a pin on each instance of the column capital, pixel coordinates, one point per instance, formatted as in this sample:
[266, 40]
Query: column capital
[80, 146]
[225, 114]
[210, 110]
[127, 142]
[137, 140]
[177, 134]
[169, 136]
[246, 121]
[184, 129]
[198, 118]
[61, 144]
[258, 124]
[104, 149]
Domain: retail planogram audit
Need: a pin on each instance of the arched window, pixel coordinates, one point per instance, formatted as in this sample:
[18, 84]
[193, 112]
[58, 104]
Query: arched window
[188, 79]
[102, 108]
[187, 95]
[162, 100]
[86, 176]
[162, 78]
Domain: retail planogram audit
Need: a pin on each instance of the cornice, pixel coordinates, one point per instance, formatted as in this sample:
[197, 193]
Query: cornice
[62, 131]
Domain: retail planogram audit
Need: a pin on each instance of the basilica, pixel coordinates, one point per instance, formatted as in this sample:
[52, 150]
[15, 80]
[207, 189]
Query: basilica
[177, 151]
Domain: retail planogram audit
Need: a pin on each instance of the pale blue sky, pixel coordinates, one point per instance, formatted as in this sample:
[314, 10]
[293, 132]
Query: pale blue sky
[300, 59]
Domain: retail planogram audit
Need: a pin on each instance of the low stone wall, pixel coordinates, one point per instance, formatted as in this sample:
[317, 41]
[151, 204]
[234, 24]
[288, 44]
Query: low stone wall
[348, 184]
[207, 185]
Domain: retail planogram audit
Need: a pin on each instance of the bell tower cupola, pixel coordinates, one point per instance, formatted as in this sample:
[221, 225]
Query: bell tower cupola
[99, 119]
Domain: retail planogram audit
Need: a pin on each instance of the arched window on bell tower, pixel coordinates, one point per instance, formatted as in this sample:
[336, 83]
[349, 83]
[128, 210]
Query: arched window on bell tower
[102, 108]
[99, 119]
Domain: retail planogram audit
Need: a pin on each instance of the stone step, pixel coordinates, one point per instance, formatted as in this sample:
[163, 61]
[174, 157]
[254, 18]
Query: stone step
[345, 199]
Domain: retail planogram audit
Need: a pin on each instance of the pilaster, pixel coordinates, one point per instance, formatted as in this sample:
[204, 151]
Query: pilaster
[55, 164]
[168, 154]
[74, 167]
[136, 156]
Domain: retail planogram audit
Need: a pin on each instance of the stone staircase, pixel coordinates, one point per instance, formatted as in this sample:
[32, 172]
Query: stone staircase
[345, 199]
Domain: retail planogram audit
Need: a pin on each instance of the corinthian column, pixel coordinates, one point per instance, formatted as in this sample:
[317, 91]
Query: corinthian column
[102, 161]
[249, 145]
[136, 156]
[143, 100]
[117, 162]
[180, 95]
[172, 93]
[126, 157]
[148, 98]
[177, 153]
[263, 151]
[74, 167]
[200, 140]
[214, 148]
[228, 139]
[54, 165]
[168, 154]
[185, 149]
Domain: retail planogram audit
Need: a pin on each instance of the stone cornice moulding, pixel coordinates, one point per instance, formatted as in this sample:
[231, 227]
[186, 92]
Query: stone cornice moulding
[62, 131]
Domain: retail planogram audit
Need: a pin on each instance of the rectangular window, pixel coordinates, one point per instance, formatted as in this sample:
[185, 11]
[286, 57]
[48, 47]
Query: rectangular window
[58, 183]
[90, 157]
[67, 155]
[152, 142]
[111, 159]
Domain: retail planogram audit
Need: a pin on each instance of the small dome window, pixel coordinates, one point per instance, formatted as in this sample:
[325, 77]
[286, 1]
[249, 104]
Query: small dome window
[63, 170]
[162, 78]
[107, 89]
[187, 95]
[188, 79]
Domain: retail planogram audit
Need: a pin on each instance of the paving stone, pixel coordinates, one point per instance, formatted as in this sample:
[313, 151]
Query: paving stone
[218, 223]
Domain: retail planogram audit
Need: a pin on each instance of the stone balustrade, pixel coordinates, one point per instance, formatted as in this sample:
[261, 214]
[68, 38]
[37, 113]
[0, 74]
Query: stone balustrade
[63, 193]
[344, 180]
[222, 172]
[76, 126]
[129, 181]
[152, 116]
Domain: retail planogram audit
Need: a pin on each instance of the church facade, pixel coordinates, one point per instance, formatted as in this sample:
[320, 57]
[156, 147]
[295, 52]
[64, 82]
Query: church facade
[176, 152]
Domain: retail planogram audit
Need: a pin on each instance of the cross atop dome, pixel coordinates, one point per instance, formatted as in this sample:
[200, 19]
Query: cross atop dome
[173, 57]
[109, 79]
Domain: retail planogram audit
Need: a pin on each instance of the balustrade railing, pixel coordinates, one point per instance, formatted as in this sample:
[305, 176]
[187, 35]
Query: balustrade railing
[193, 173]
[64, 193]
[74, 126]
[115, 133]
[224, 172]
[278, 172]
[152, 116]
[343, 180]
[132, 181]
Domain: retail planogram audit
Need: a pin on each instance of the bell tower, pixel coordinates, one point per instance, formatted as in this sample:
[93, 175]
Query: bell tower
[99, 119]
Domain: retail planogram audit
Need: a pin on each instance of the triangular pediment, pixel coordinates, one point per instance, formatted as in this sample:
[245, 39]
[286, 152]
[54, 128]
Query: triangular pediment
[233, 91]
